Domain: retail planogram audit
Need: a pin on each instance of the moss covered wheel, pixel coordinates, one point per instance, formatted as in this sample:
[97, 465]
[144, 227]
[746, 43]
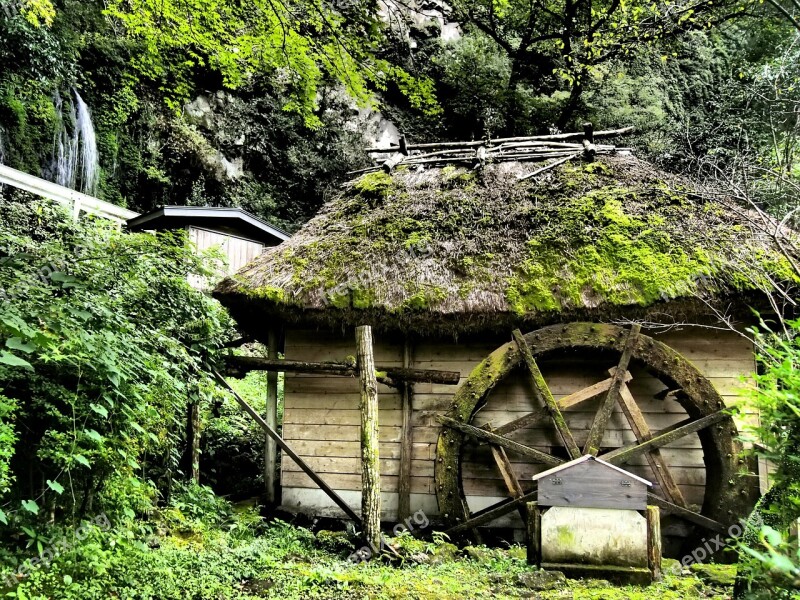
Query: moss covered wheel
[728, 495]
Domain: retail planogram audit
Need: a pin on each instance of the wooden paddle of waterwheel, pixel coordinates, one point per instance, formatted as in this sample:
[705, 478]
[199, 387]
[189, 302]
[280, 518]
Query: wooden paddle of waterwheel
[727, 497]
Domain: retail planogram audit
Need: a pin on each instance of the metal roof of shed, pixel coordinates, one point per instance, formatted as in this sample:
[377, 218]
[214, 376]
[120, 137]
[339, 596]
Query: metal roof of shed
[233, 221]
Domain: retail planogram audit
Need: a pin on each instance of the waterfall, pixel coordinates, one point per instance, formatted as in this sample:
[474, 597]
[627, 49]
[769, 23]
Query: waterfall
[75, 159]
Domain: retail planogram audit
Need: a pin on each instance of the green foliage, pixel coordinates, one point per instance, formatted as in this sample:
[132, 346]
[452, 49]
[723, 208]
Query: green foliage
[561, 45]
[104, 345]
[233, 444]
[301, 45]
[769, 565]
[475, 80]
[38, 12]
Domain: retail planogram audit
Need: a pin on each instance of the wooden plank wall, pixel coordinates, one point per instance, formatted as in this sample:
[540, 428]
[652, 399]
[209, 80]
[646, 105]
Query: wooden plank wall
[321, 418]
[238, 251]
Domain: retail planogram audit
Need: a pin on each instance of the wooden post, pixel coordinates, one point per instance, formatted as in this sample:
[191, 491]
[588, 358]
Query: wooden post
[406, 441]
[194, 441]
[534, 534]
[271, 418]
[370, 468]
[654, 542]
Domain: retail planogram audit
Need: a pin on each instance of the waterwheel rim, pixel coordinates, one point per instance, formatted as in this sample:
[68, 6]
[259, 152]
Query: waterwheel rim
[727, 495]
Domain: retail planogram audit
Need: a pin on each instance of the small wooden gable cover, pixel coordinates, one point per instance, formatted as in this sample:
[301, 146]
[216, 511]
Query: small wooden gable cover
[589, 482]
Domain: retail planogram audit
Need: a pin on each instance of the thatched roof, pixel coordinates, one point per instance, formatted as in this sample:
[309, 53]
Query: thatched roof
[452, 249]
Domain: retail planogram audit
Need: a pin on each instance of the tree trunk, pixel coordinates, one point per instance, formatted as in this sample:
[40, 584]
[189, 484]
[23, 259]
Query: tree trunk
[370, 471]
[194, 442]
[572, 105]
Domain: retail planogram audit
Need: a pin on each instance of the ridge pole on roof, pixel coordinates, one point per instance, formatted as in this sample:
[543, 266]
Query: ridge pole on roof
[391, 162]
[370, 466]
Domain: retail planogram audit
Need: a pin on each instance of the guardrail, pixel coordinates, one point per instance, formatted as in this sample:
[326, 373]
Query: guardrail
[74, 201]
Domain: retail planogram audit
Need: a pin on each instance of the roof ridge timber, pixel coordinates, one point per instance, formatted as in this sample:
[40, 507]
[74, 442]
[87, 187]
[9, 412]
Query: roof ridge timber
[515, 149]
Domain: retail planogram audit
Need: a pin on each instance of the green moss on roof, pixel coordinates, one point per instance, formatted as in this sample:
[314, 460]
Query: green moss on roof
[610, 234]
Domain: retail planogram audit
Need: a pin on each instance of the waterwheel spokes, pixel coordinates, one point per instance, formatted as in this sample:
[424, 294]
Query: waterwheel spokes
[493, 438]
[603, 415]
[642, 432]
[507, 473]
[685, 513]
[689, 388]
[666, 436]
[542, 393]
[573, 399]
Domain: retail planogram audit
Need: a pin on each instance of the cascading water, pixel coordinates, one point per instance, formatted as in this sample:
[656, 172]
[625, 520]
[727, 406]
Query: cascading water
[76, 162]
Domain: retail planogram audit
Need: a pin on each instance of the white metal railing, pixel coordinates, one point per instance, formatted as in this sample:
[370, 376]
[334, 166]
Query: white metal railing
[75, 201]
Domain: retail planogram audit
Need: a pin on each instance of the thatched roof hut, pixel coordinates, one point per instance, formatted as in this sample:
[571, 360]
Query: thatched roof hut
[445, 262]
[456, 250]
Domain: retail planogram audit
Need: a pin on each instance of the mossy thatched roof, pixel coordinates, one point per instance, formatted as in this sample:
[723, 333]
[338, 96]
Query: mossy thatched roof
[459, 250]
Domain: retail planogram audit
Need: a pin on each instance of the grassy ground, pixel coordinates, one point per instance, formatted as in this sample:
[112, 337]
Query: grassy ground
[317, 567]
[202, 548]
[287, 562]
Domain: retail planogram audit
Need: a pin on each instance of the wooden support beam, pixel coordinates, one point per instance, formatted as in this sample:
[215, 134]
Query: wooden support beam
[567, 401]
[655, 459]
[491, 513]
[666, 436]
[552, 165]
[685, 513]
[403, 147]
[600, 422]
[589, 149]
[534, 523]
[391, 162]
[506, 443]
[370, 466]
[406, 439]
[330, 492]
[271, 417]
[654, 542]
[243, 364]
[542, 394]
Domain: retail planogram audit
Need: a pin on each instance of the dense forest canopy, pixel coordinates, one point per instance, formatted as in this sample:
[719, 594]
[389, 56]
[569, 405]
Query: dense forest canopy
[267, 105]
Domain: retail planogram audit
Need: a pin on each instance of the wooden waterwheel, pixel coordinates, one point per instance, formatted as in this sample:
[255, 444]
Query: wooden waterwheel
[727, 496]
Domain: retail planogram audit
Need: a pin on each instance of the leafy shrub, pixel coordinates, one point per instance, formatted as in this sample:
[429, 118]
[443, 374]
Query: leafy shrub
[768, 553]
[103, 345]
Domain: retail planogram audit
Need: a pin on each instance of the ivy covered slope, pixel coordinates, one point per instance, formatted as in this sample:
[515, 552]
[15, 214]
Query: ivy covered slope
[461, 249]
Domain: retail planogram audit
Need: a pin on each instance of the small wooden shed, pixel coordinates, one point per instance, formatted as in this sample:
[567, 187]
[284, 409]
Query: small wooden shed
[623, 279]
[240, 235]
